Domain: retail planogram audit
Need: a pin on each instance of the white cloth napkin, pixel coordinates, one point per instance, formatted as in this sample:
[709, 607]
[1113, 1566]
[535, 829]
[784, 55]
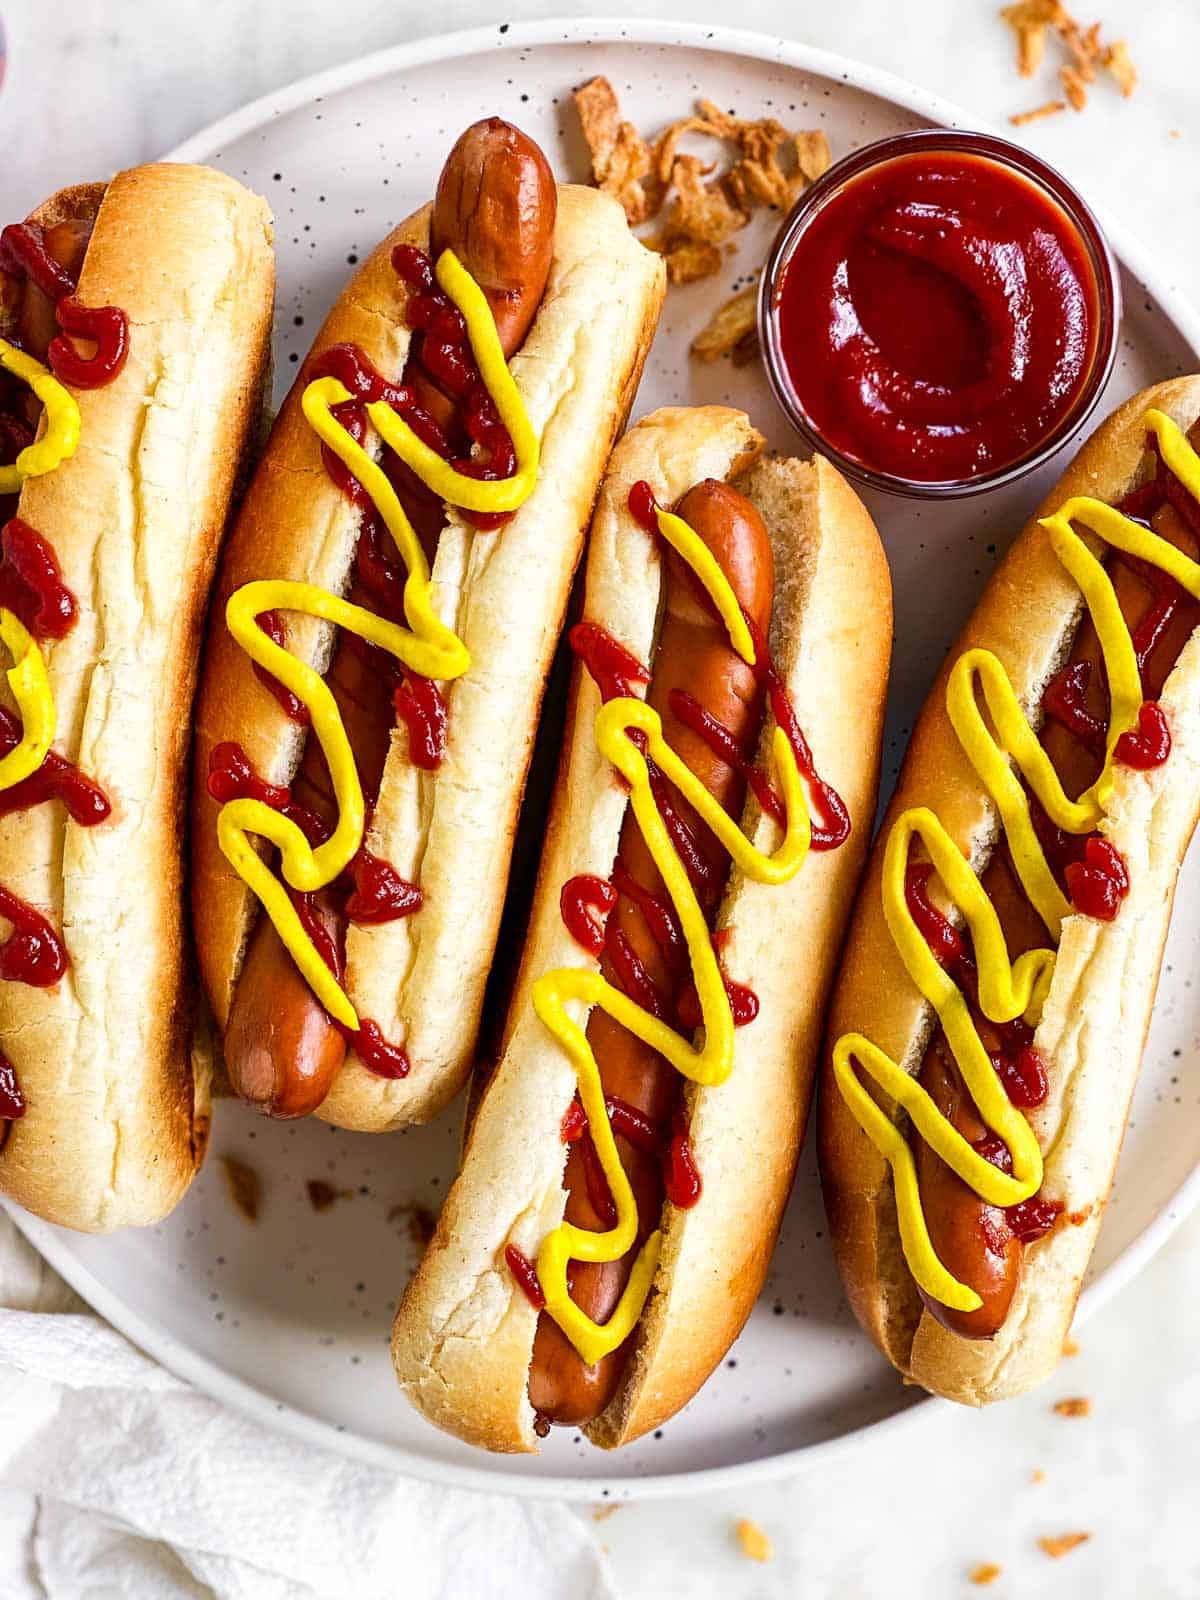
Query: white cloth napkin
[118, 1480]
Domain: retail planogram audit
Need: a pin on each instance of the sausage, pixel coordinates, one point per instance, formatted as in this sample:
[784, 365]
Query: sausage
[970, 1236]
[694, 654]
[495, 208]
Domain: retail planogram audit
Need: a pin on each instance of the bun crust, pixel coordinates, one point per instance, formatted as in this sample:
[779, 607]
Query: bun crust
[1098, 1010]
[505, 593]
[464, 1332]
[116, 1115]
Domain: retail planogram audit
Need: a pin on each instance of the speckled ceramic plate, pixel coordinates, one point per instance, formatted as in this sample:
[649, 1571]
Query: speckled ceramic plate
[289, 1319]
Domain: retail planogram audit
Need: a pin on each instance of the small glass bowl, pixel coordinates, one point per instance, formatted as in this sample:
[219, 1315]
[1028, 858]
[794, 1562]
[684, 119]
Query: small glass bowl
[1057, 189]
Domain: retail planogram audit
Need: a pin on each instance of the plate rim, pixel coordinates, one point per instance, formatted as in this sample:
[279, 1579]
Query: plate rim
[207, 1375]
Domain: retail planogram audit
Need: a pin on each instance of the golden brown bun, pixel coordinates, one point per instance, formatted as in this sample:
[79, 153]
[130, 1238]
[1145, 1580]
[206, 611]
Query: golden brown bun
[117, 1115]
[464, 1332]
[1095, 1021]
[505, 593]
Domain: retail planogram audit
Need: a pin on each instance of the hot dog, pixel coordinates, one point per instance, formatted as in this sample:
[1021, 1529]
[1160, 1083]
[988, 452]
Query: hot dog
[643, 929]
[694, 656]
[134, 329]
[1027, 1052]
[356, 994]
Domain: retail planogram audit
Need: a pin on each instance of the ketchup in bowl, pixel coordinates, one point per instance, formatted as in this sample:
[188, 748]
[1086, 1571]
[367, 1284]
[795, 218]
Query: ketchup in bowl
[939, 312]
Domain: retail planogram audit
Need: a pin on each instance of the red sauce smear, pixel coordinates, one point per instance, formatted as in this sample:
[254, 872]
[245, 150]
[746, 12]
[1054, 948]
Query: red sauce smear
[23, 254]
[938, 317]
[31, 582]
[33, 953]
[524, 1271]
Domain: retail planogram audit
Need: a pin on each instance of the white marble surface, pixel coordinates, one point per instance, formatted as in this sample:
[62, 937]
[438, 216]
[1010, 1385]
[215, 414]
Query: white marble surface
[101, 83]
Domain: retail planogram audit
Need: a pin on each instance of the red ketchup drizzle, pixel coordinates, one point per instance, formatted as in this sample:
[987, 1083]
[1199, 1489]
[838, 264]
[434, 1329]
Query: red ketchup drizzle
[615, 670]
[658, 914]
[574, 1123]
[23, 253]
[272, 624]
[231, 777]
[377, 1054]
[939, 933]
[1023, 1076]
[1149, 744]
[1065, 700]
[524, 1271]
[743, 1002]
[378, 892]
[422, 706]
[33, 952]
[833, 827]
[1018, 1065]
[632, 977]
[633, 1125]
[418, 701]
[380, 574]
[682, 1178]
[12, 1101]
[56, 779]
[626, 1120]
[1099, 882]
[585, 903]
[443, 350]
[1032, 1219]
[106, 327]
[31, 585]
[366, 384]
[599, 1194]
[705, 876]
[305, 906]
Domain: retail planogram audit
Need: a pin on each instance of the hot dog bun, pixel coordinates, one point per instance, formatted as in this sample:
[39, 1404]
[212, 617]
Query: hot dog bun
[422, 978]
[464, 1333]
[1095, 1020]
[117, 1114]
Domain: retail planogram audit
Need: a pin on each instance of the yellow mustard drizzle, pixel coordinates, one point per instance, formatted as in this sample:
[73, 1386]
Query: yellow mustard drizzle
[27, 676]
[555, 991]
[1019, 989]
[31, 691]
[427, 646]
[60, 439]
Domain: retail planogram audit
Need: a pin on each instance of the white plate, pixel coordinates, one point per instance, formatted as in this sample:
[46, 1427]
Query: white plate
[289, 1319]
